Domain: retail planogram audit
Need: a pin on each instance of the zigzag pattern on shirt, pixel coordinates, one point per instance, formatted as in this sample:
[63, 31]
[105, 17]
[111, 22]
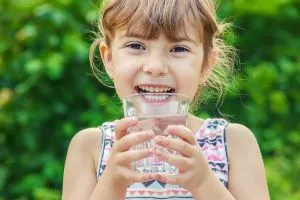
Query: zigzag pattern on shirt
[214, 124]
[211, 139]
[158, 193]
[109, 133]
[224, 182]
[218, 165]
[225, 172]
[217, 137]
[210, 133]
[207, 147]
[216, 158]
[215, 141]
[147, 184]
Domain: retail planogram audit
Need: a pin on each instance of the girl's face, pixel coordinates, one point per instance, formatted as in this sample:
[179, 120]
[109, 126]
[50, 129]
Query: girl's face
[158, 65]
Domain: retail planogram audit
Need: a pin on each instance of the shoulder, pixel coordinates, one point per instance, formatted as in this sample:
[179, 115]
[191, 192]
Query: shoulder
[86, 143]
[80, 167]
[241, 142]
[240, 137]
[86, 139]
[246, 163]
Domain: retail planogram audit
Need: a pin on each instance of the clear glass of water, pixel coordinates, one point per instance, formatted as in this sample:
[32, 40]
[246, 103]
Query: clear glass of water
[155, 111]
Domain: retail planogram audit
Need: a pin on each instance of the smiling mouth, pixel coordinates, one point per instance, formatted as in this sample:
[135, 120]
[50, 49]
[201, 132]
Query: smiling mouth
[154, 89]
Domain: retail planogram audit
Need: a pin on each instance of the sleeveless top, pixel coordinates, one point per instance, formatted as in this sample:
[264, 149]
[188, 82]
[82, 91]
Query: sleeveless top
[212, 141]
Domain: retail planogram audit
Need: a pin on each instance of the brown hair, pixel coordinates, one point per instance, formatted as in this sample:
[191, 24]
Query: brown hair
[171, 18]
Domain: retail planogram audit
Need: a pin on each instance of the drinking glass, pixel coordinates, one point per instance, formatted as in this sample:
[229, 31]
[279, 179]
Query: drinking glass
[155, 111]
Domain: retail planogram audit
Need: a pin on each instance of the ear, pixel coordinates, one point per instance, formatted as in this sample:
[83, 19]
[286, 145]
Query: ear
[106, 57]
[208, 66]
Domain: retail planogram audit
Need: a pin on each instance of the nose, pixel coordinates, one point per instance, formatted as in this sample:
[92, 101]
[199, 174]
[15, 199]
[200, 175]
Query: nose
[156, 66]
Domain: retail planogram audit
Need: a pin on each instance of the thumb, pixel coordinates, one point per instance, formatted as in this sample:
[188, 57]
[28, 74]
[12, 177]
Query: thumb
[122, 125]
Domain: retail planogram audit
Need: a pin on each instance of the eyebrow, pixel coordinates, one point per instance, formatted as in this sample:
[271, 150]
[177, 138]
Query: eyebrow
[136, 35]
[141, 36]
[183, 38]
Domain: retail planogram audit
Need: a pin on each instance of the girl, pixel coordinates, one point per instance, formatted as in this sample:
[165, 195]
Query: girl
[164, 45]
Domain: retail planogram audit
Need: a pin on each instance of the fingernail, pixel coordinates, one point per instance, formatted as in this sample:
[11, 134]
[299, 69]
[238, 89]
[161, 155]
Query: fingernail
[171, 127]
[133, 120]
[152, 176]
[150, 133]
[158, 152]
[158, 139]
[151, 151]
[155, 176]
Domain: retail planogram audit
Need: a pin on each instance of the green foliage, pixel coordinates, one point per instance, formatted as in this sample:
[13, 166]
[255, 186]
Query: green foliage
[268, 41]
[47, 92]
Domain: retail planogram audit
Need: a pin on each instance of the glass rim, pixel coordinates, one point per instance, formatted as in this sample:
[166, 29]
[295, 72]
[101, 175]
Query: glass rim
[155, 93]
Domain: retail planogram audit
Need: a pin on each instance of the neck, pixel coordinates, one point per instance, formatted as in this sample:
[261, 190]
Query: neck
[194, 123]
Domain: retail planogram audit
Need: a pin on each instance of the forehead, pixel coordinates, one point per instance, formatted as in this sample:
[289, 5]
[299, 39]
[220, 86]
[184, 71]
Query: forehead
[148, 19]
[184, 31]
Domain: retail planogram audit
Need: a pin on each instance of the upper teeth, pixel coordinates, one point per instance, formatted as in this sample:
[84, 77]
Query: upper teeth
[155, 89]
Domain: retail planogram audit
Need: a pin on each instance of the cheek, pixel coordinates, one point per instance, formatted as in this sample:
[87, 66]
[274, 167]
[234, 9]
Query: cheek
[189, 85]
[188, 79]
[124, 73]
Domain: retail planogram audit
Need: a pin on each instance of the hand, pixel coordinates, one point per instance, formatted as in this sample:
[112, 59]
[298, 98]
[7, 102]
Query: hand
[191, 163]
[118, 169]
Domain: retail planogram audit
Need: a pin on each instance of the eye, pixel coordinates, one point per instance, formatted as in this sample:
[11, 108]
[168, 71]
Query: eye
[179, 49]
[135, 46]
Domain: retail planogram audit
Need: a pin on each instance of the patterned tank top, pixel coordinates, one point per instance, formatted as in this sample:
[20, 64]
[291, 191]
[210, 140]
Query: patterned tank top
[210, 137]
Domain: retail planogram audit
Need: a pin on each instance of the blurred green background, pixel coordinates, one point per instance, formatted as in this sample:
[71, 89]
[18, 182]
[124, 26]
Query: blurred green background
[47, 92]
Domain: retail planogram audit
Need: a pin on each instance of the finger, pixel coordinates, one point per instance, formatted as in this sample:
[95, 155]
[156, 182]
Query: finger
[122, 125]
[134, 155]
[182, 132]
[136, 177]
[169, 179]
[141, 177]
[133, 139]
[180, 162]
[178, 145]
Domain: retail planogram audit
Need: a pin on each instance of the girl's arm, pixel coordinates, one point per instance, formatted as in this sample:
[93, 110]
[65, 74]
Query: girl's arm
[80, 181]
[79, 173]
[247, 178]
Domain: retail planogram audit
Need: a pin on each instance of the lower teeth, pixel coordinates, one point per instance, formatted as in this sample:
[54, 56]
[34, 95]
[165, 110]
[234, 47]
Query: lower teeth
[158, 98]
